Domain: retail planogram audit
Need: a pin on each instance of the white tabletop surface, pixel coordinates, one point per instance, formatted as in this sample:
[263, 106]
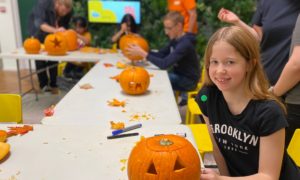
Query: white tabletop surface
[81, 106]
[74, 152]
[70, 56]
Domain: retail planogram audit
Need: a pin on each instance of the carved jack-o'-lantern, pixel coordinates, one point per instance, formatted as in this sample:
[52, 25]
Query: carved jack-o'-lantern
[164, 157]
[128, 39]
[55, 45]
[71, 37]
[32, 45]
[134, 80]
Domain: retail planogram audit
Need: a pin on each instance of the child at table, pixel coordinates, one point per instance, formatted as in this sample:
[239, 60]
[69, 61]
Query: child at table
[75, 70]
[246, 122]
[127, 26]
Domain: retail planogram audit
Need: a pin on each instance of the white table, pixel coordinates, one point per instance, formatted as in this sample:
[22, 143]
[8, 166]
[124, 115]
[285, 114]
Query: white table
[21, 55]
[74, 152]
[81, 106]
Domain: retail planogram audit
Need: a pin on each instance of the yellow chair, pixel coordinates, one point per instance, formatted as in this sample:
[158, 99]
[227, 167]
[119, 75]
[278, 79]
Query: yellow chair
[60, 68]
[202, 138]
[10, 108]
[294, 147]
[192, 108]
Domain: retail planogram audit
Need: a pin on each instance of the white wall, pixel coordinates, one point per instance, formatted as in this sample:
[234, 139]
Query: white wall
[10, 31]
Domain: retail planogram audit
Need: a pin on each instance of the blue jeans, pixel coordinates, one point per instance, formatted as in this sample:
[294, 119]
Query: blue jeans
[181, 83]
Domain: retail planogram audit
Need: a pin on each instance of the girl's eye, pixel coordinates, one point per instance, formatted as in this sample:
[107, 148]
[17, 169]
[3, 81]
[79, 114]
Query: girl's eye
[213, 62]
[230, 62]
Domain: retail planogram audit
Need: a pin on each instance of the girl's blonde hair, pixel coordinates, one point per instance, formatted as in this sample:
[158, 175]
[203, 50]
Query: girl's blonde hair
[67, 3]
[245, 43]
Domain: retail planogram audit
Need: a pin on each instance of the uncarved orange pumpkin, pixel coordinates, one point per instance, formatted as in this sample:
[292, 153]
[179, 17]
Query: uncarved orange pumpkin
[128, 39]
[71, 37]
[55, 45]
[164, 157]
[134, 80]
[32, 45]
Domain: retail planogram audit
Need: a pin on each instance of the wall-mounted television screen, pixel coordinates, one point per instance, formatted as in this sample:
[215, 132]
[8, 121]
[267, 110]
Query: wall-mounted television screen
[112, 11]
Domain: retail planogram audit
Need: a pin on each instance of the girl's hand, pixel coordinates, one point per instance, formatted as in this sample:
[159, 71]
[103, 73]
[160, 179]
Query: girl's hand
[209, 174]
[123, 27]
[227, 16]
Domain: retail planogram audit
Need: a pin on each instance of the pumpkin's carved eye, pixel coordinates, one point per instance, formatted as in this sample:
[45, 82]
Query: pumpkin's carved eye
[178, 165]
[56, 42]
[152, 169]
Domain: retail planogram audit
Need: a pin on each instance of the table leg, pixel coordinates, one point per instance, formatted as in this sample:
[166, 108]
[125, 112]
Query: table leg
[19, 77]
[32, 84]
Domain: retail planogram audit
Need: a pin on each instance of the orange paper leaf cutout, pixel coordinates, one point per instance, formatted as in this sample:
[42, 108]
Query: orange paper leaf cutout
[117, 77]
[86, 86]
[108, 65]
[19, 130]
[116, 102]
[118, 125]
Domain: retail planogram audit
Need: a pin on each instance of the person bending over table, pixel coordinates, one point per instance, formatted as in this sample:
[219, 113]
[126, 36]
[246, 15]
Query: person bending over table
[75, 70]
[245, 121]
[127, 26]
[49, 16]
[179, 54]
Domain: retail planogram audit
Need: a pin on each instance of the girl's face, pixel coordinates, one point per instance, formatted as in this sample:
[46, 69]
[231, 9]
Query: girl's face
[227, 68]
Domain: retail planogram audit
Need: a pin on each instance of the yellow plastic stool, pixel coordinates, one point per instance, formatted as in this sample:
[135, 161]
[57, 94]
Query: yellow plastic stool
[10, 108]
[202, 138]
[192, 110]
[60, 68]
[294, 147]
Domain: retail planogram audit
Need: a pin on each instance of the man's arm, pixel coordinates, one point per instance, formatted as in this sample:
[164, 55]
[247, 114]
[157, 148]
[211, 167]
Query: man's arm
[192, 19]
[290, 75]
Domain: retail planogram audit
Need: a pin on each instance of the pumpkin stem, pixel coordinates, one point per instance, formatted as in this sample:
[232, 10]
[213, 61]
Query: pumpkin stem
[165, 142]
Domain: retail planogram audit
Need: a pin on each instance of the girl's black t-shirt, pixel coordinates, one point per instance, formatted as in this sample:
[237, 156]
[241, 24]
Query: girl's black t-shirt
[238, 136]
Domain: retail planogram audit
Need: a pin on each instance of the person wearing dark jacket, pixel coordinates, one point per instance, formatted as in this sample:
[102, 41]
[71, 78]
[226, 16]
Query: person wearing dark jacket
[180, 54]
[49, 16]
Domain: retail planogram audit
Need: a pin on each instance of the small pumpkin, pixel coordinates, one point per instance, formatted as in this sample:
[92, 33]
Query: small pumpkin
[32, 45]
[134, 80]
[71, 37]
[3, 135]
[4, 149]
[55, 44]
[164, 157]
[128, 39]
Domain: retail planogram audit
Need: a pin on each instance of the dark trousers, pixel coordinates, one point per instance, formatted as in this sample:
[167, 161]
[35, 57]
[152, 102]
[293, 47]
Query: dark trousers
[293, 118]
[181, 83]
[43, 76]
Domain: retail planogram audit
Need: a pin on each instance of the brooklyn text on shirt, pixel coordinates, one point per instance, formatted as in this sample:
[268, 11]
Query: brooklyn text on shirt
[235, 133]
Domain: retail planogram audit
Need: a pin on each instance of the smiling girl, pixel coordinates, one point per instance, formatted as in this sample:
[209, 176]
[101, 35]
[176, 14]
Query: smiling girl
[246, 122]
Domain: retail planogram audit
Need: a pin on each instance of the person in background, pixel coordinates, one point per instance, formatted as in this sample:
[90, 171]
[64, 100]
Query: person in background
[49, 16]
[128, 25]
[273, 24]
[289, 84]
[75, 70]
[179, 54]
[187, 9]
[246, 122]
